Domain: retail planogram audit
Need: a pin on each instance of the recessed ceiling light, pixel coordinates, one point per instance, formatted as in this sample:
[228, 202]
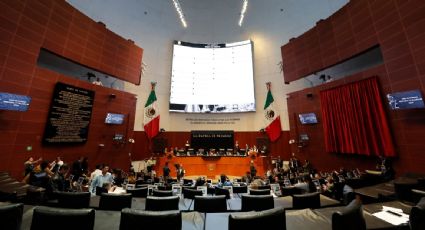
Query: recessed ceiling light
[244, 6]
[180, 12]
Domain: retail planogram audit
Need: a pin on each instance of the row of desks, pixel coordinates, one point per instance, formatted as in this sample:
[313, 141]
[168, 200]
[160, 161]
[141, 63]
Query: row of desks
[295, 219]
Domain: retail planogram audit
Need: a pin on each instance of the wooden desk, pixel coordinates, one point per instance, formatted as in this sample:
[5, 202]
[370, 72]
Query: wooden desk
[213, 166]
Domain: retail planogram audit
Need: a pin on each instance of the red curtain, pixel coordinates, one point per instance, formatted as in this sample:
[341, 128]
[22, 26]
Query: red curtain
[354, 119]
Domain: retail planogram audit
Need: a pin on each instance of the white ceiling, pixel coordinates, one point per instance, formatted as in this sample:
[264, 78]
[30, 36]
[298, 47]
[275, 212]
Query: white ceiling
[154, 24]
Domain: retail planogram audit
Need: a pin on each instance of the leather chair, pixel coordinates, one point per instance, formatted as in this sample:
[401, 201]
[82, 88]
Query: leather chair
[162, 203]
[100, 190]
[141, 183]
[403, 191]
[164, 187]
[240, 189]
[351, 218]
[222, 191]
[190, 194]
[257, 202]
[64, 219]
[259, 192]
[273, 219]
[138, 192]
[73, 199]
[307, 200]
[289, 191]
[133, 219]
[11, 216]
[210, 204]
[115, 202]
[417, 216]
[264, 187]
[160, 193]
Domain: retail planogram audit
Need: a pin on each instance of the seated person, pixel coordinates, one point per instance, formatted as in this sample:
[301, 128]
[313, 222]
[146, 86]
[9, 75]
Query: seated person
[200, 181]
[224, 181]
[58, 182]
[109, 187]
[256, 183]
[329, 187]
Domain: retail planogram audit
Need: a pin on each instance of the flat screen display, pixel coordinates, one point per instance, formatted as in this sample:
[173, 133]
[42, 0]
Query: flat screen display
[406, 100]
[114, 118]
[14, 102]
[212, 78]
[308, 118]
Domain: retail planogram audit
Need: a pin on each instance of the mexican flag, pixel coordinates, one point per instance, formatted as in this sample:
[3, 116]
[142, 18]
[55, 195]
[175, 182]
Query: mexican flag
[272, 118]
[151, 115]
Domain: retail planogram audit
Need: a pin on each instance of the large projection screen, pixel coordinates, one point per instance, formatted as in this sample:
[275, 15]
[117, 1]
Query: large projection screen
[212, 78]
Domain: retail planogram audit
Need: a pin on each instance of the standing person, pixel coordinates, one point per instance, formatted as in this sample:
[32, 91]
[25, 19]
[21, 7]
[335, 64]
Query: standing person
[56, 164]
[252, 170]
[98, 181]
[294, 163]
[85, 165]
[59, 182]
[30, 165]
[180, 172]
[77, 168]
[149, 165]
[96, 172]
[166, 171]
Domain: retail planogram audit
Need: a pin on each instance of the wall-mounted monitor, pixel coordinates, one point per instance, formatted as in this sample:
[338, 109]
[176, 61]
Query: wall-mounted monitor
[308, 118]
[212, 78]
[406, 100]
[14, 102]
[114, 118]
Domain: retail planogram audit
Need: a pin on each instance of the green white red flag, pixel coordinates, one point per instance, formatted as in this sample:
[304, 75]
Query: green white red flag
[272, 118]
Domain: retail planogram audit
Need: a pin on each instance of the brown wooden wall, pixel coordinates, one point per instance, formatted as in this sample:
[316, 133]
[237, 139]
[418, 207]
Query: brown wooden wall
[398, 27]
[26, 26]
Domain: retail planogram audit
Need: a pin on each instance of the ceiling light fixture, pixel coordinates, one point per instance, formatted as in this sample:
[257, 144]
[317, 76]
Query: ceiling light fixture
[180, 12]
[245, 4]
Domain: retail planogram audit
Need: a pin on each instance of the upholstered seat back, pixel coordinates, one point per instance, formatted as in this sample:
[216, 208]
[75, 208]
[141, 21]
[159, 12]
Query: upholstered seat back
[191, 193]
[132, 219]
[264, 187]
[73, 199]
[307, 200]
[417, 216]
[161, 193]
[210, 203]
[240, 189]
[11, 216]
[100, 190]
[259, 192]
[162, 203]
[351, 218]
[138, 192]
[66, 219]
[222, 191]
[257, 202]
[115, 202]
[270, 219]
[289, 191]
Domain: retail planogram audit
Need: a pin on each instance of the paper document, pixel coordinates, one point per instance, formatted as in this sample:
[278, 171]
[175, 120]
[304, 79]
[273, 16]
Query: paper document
[392, 215]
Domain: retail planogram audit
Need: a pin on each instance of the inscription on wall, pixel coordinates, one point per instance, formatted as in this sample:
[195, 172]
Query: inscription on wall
[212, 121]
[69, 115]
